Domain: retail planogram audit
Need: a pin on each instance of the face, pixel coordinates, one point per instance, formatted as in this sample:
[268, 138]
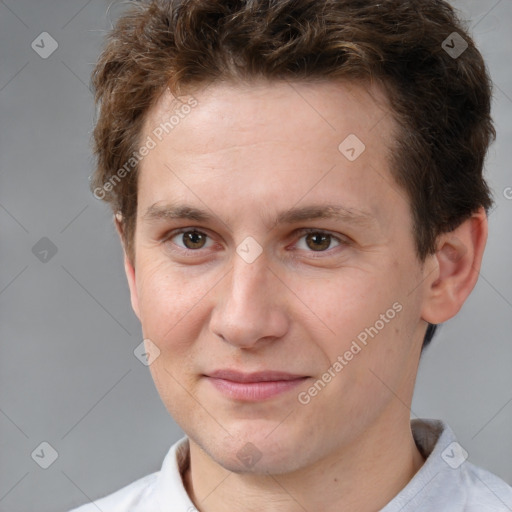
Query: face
[238, 270]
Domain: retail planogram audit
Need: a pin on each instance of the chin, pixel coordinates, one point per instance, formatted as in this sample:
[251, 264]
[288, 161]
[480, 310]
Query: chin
[258, 453]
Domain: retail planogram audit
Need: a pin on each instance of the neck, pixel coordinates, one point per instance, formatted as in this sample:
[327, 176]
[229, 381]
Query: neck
[364, 476]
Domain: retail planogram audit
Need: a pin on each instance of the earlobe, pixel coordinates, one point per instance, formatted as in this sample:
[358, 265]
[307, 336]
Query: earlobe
[128, 266]
[458, 261]
[132, 284]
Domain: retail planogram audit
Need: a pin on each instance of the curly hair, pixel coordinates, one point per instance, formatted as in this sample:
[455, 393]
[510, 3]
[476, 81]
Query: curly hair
[434, 77]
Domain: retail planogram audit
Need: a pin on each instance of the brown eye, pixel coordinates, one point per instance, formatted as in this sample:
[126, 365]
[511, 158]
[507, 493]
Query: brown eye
[318, 241]
[191, 240]
[194, 239]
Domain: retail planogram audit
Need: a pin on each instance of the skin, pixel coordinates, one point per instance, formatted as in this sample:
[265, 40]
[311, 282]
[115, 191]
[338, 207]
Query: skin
[245, 153]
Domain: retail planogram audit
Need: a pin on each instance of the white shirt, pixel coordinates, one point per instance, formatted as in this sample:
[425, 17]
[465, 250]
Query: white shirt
[445, 482]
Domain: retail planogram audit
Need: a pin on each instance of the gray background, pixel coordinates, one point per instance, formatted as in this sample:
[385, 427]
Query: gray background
[68, 375]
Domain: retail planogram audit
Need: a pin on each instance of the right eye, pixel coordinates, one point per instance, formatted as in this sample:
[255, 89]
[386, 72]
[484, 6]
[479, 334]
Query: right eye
[192, 240]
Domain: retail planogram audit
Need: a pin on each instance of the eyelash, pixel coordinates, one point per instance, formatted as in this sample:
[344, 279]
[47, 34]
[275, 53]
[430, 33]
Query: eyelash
[343, 242]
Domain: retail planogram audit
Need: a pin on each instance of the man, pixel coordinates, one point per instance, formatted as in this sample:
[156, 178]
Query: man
[298, 190]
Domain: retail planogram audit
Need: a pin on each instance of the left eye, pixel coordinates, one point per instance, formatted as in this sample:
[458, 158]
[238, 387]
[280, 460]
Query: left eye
[319, 241]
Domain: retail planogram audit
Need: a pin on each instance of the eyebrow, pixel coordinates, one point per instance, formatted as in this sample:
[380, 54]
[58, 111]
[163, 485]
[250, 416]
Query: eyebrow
[298, 214]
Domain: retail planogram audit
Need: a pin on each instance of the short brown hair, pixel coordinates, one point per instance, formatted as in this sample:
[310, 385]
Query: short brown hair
[440, 100]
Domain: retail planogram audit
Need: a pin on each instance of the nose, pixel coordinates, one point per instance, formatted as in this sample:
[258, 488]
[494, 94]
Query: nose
[250, 307]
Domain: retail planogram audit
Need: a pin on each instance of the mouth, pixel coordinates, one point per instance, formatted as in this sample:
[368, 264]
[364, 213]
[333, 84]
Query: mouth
[252, 387]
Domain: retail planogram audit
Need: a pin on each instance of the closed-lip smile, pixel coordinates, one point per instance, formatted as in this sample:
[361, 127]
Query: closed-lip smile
[253, 386]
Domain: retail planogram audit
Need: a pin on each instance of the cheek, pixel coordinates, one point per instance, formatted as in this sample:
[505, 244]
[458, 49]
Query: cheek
[346, 305]
[371, 320]
[173, 309]
[164, 294]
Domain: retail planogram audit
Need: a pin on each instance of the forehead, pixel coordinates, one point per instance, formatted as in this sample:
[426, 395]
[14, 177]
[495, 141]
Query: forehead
[321, 107]
[264, 144]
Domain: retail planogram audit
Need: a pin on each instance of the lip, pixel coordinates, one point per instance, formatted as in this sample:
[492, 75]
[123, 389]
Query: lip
[265, 376]
[255, 386]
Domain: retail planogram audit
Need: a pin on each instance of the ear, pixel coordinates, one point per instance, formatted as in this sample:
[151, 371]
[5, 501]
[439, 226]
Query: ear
[128, 266]
[456, 264]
